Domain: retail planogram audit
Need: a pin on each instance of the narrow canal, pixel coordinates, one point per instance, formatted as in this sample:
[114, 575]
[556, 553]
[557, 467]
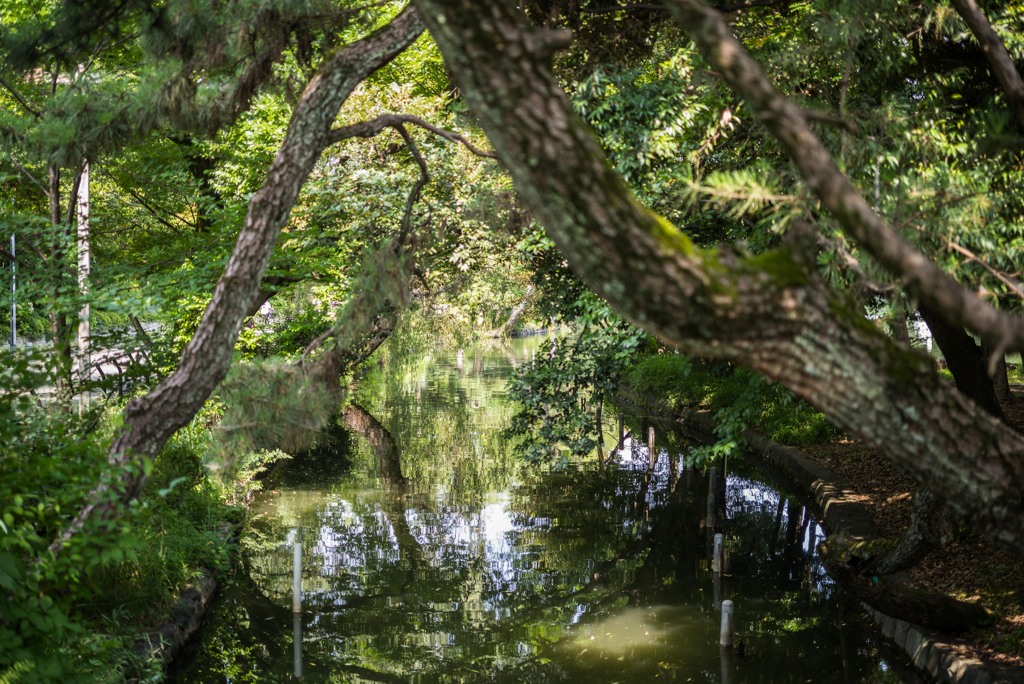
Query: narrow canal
[480, 569]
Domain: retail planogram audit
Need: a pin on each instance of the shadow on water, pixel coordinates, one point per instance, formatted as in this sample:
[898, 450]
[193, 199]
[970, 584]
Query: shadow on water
[430, 555]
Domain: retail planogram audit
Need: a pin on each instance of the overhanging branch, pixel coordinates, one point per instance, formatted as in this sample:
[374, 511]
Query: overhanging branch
[995, 52]
[788, 123]
[769, 312]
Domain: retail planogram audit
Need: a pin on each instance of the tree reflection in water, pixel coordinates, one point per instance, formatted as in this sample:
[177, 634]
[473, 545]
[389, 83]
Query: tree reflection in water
[477, 569]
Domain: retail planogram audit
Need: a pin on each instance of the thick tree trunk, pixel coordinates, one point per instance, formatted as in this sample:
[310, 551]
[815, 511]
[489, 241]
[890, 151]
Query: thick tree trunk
[149, 421]
[767, 312]
[965, 360]
[898, 323]
[995, 361]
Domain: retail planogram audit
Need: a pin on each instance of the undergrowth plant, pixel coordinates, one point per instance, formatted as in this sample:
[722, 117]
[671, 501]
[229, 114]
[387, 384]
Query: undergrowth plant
[738, 399]
[75, 615]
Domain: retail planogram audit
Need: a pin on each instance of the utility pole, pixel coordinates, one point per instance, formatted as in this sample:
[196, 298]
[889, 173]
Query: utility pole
[14, 289]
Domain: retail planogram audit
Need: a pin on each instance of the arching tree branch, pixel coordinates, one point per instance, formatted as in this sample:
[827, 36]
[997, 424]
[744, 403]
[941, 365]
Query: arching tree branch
[368, 129]
[149, 421]
[995, 52]
[787, 122]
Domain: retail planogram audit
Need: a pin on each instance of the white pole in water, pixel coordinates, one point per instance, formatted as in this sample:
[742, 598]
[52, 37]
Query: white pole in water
[716, 557]
[297, 579]
[651, 453]
[725, 636]
[727, 659]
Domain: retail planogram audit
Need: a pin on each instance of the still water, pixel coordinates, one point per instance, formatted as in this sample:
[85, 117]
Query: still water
[479, 569]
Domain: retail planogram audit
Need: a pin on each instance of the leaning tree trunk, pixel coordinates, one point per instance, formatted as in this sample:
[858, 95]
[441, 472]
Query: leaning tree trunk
[513, 319]
[965, 360]
[149, 421]
[362, 422]
[767, 312]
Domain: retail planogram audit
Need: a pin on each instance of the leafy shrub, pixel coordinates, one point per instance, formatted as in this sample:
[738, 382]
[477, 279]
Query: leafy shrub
[561, 392]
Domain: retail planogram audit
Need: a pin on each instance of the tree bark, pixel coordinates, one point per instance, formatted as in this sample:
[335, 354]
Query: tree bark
[149, 421]
[995, 52]
[767, 312]
[995, 362]
[965, 360]
[898, 323]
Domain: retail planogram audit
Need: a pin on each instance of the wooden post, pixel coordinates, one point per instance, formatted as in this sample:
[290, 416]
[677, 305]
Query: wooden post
[716, 556]
[622, 431]
[726, 633]
[297, 579]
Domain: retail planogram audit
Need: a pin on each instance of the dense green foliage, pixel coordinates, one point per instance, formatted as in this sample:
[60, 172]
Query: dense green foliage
[562, 391]
[75, 616]
[181, 106]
